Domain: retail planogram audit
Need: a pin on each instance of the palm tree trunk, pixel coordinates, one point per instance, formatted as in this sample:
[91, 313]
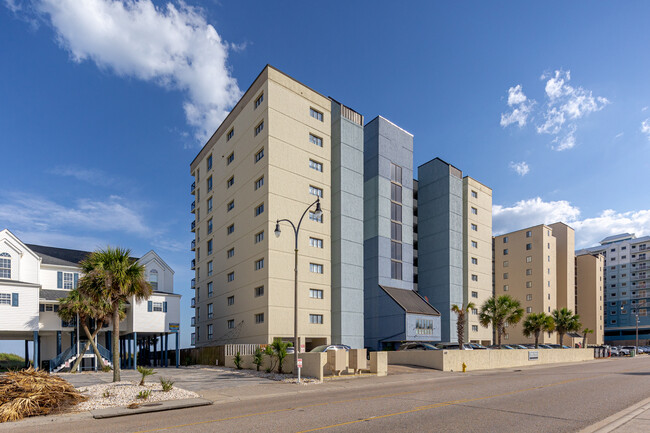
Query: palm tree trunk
[537, 340]
[561, 338]
[79, 358]
[91, 338]
[499, 335]
[116, 342]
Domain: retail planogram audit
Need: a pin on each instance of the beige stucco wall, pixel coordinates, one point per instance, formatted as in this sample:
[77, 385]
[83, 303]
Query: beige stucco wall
[483, 270]
[589, 289]
[565, 261]
[452, 360]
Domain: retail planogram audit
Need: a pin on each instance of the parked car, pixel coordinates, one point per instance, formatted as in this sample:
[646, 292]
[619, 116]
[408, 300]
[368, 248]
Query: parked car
[503, 346]
[557, 346]
[326, 347]
[477, 346]
[545, 346]
[452, 346]
[517, 346]
[417, 346]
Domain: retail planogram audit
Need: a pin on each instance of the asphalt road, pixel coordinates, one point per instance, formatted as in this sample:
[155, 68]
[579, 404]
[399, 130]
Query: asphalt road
[544, 399]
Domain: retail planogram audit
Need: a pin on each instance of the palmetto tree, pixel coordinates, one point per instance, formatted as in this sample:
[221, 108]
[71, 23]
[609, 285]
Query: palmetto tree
[584, 336]
[536, 323]
[112, 276]
[565, 321]
[461, 314]
[500, 311]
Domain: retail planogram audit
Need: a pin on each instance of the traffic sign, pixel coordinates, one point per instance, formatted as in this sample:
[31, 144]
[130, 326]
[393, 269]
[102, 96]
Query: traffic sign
[299, 362]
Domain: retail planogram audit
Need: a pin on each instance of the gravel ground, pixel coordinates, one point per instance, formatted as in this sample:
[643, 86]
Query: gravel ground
[124, 393]
[286, 378]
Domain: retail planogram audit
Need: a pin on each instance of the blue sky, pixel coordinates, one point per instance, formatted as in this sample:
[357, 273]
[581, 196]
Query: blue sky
[103, 106]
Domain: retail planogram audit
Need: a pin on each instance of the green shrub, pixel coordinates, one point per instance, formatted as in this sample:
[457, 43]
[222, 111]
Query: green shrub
[238, 360]
[143, 395]
[258, 357]
[106, 394]
[166, 384]
[144, 371]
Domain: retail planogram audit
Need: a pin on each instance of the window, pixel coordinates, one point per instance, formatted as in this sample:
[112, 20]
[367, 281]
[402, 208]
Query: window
[230, 182]
[474, 277]
[210, 247]
[474, 294]
[153, 279]
[548, 258]
[259, 100]
[316, 243]
[259, 318]
[424, 327]
[231, 276]
[474, 328]
[67, 280]
[506, 287]
[474, 261]
[259, 182]
[230, 134]
[315, 165]
[396, 192]
[231, 300]
[529, 259]
[210, 311]
[209, 268]
[474, 194]
[474, 227]
[316, 114]
[396, 173]
[313, 217]
[315, 191]
[259, 209]
[505, 239]
[548, 245]
[231, 253]
[506, 263]
[316, 318]
[395, 270]
[505, 251]
[210, 204]
[209, 162]
[529, 309]
[259, 291]
[529, 246]
[505, 275]
[157, 306]
[259, 264]
[316, 293]
[529, 271]
[230, 158]
[210, 226]
[231, 323]
[315, 140]
[395, 231]
[529, 297]
[210, 328]
[259, 128]
[396, 212]
[210, 290]
[231, 205]
[231, 229]
[474, 244]
[5, 298]
[209, 183]
[529, 233]
[5, 266]
[474, 211]
[549, 296]
[529, 284]
[259, 155]
[315, 268]
[259, 237]
[475, 311]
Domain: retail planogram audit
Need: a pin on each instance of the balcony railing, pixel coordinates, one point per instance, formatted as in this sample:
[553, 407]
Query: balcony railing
[193, 226]
[193, 284]
[193, 245]
[193, 321]
[193, 303]
[640, 258]
[193, 187]
[193, 264]
[193, 207]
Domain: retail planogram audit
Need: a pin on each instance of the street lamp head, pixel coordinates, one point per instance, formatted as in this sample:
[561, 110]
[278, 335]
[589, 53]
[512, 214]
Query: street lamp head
[319, 211]
[277, 230]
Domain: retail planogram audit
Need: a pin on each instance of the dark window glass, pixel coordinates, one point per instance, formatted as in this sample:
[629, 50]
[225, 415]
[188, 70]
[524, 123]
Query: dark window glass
[395, 192]
[396, 212]
[396, 231]
[396, 251]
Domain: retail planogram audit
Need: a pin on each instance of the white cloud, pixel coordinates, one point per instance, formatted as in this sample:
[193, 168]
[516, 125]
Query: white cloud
[173, 46]
[645, 127]
[13, 5]
[567, 141]
[619, 135]
[554, 121]
[644, 108]
[88, 175]
[522, 107]
[589, 231]
[521, 168]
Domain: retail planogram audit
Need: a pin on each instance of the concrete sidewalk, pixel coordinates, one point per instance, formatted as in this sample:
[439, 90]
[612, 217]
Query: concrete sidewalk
[634, 419]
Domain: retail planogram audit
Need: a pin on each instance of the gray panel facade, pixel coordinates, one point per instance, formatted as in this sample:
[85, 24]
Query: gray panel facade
[440, 240]
[385, 143]
[347, 230]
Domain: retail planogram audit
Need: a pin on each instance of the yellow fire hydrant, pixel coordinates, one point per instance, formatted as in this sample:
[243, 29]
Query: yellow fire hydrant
[464, 367]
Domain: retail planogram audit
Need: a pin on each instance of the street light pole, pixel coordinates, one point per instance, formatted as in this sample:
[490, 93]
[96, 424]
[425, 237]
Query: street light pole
[296, 230]
[637, 332]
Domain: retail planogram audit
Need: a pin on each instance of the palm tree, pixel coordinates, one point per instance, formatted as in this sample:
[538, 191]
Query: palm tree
[500, 311]
[565, 321]
[536, 323]
[77, 306]
[112, 276]
[460, 321]
[584, 336]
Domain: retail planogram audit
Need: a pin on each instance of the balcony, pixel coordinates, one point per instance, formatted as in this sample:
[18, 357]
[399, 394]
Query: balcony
[193, 245]
[193, 207]
[193, 303]
[193, 321]
[640, 258]
[193, 264]
[193, 284]
[193, 226]
[193, 187]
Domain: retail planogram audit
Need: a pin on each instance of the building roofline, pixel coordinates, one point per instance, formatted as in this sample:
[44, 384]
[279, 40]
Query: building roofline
[446, 163]
[479, 182]
[392, 123]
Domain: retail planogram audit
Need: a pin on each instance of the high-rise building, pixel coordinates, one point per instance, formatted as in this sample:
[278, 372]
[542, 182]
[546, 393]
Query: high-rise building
[282, 147]
[454, 246]
[627, 287]
[589, 294]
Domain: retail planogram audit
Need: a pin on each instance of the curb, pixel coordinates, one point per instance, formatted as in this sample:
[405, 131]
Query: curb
[161, 406]
[618, 419]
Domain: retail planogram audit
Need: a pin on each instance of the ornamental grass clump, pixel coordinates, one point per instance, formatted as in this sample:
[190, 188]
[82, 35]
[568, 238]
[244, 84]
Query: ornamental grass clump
[34, 392]
[166, 384]
[144, 371]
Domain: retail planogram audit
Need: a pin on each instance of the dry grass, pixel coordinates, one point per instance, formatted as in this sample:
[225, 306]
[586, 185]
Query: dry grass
[29, 392]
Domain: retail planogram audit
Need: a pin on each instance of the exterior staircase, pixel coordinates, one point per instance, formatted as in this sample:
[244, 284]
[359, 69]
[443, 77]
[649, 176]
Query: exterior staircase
[66, 359]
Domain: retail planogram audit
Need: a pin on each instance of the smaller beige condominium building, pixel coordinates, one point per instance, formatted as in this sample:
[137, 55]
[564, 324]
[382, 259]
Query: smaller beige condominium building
[589, 269]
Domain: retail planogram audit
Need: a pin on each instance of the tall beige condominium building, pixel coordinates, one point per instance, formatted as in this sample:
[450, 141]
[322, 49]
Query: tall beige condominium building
[525, 267]
[589, 270]
[269, 159]
[477, 255]
[565, 247]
